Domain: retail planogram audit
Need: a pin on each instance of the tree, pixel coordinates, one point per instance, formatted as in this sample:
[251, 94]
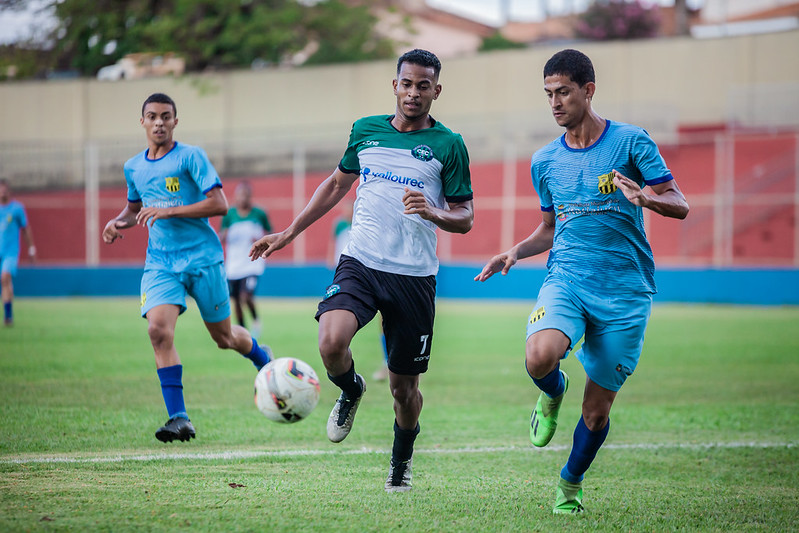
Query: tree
[214, 34]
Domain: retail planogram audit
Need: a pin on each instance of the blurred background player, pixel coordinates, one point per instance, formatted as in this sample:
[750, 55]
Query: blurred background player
[12, 220]
[389, 264]
[601, 270]
[243, 224]
[172, 190]
[341, 236]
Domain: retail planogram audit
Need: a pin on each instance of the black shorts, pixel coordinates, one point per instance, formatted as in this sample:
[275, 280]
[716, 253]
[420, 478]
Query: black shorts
[247, 285]
[407, 304]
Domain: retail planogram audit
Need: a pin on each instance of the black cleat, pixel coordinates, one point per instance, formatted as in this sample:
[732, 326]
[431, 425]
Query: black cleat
[175, 429]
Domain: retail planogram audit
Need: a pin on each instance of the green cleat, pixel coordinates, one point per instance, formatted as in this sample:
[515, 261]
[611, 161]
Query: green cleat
[544, 420]
[568, 498]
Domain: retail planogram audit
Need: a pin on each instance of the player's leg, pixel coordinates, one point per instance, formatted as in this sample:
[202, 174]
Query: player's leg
[161, 321]
[235, 296]
[408, 310]
[248, 301]
[348, 305]
[613, 342]
[209, 289]
[337, 327]
[408, 403]
[552, 329]
[8, 269]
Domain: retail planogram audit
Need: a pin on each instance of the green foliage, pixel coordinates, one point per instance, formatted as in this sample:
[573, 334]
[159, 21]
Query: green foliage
[498, 42]
[214, 34]
[618, 19]
[707, 424]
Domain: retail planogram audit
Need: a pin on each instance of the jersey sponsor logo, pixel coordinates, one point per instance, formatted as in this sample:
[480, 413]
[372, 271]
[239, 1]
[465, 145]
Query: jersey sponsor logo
[371, 143]
[143, 298]
[422, 152]
[606, 185]
[421, 358]
[333, 289]
[561, 212]
[367, 172]
[173, 184]
[537, 315]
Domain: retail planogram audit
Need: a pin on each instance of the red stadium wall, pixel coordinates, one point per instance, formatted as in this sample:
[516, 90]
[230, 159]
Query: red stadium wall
[760, 175]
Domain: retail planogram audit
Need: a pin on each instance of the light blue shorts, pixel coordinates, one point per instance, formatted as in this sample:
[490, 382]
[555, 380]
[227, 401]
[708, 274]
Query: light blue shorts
[8, 263]
[613, 326]
[207, 285]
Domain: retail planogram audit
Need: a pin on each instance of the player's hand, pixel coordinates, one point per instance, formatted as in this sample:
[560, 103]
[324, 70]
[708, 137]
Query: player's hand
[631, 190]
[416, 204]
[148, 215]
[499, 263]
[111, 231]
[263, 247]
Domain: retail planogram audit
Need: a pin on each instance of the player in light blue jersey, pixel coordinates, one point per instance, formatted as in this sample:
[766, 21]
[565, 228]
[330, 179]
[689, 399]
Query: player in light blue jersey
[413, 178]
[172, 190]
[12, 220]
[600, 282]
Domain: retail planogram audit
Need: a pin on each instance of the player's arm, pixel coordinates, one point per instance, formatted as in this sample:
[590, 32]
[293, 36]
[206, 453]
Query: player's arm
[539, 241]
[667, 199]
[326, 196]
[457, 218]
[29, 239]
[124, 220]
[215, 203]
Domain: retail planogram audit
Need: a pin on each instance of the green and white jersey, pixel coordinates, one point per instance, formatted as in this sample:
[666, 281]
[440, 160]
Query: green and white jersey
[242, 231]
[432, 160]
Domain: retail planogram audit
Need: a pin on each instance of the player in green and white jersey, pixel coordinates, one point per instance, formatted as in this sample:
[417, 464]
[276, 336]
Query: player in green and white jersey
[413, 178]
[243, 224]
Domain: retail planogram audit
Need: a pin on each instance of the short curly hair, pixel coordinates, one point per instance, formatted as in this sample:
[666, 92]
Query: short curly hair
[417, 56]
[571, 63]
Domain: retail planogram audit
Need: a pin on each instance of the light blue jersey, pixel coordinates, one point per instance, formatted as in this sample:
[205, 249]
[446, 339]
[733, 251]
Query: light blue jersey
[181, 177]
[12, 219]
[599, 235]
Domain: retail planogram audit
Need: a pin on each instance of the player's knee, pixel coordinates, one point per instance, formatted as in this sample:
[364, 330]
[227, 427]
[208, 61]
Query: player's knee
[223, 339]
[406, 393]
[161, 335]
[332, 347]
[595, 418]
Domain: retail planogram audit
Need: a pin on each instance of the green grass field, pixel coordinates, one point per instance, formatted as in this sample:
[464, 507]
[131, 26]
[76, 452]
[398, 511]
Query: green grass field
[704, 435]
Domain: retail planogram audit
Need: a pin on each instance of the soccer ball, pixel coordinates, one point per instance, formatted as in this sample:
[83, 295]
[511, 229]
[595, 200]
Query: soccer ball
[286, 390]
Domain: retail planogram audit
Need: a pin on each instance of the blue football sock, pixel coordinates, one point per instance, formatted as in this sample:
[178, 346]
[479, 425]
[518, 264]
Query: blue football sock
[552, 384]
[257, 355]
[585, 445]
[172, 389]
[7, 310]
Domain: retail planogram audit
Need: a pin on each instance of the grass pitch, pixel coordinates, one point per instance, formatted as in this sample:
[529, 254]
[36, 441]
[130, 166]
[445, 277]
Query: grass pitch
[704, 435]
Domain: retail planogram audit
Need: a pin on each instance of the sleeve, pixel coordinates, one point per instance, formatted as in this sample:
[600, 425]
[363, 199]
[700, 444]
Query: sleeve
[226, 220]
[202, 171]
[22, 216]
[455, 175]
[134, 196]
[648, 160]
[349, 161]
[264, 219]
[540, 186]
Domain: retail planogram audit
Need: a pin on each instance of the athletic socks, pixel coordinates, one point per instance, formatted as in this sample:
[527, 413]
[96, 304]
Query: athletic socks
[552, 384]
[584, 448]
[7, 312]
[348, 383]
[403, 443]
[257, 355]
[172, 389]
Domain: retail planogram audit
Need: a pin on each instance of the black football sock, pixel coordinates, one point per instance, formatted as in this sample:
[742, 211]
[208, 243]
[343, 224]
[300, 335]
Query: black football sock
[403, 443]
[348, 383]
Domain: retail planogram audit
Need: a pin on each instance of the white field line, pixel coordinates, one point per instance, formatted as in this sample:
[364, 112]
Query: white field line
[245, 454]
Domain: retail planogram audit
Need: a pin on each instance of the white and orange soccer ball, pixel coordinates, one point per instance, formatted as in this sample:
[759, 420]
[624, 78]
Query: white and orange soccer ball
[286, 390]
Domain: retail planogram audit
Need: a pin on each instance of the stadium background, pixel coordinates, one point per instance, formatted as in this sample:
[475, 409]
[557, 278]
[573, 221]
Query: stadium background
[724, 112]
